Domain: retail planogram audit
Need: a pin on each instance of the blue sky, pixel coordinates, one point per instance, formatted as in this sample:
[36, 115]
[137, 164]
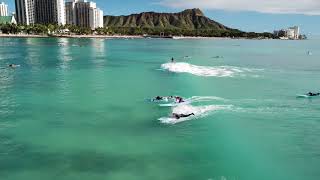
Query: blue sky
[247, 15]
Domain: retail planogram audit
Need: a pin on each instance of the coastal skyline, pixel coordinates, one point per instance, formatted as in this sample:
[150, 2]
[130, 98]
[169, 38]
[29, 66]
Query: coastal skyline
[159, 90]
[254, 18]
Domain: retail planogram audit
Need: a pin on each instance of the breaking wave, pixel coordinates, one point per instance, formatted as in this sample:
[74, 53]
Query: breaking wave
[206, 71]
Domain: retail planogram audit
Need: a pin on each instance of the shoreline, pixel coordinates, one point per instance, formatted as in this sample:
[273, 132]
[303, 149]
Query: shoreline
[22, 36]
[70, 36]
[109, 36]
[100, 36]
[126, 37]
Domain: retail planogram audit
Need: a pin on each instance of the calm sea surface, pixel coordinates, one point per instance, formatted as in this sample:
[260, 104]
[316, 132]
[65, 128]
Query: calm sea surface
[77, 109]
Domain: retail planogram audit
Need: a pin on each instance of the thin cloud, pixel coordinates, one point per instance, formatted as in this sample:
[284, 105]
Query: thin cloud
[307, 7]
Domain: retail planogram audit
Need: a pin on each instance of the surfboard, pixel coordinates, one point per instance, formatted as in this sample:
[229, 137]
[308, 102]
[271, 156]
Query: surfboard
[305, 96]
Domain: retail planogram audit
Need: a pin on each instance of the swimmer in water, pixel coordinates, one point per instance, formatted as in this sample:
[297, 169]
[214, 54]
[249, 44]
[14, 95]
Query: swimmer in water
[178, 116]
[158, 98]
[179, 99]
[162, 98]
[13, 65]
[172, 59]
[313, 94]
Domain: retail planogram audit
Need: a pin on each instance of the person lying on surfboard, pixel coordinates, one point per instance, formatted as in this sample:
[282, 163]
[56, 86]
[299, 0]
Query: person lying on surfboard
[160, 98]
[13, 65]
[313, 94]
[178, 116]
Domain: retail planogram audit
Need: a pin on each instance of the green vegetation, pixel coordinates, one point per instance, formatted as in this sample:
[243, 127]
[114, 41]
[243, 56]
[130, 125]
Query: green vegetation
[185, 32]
[40, 29]
[190, 22]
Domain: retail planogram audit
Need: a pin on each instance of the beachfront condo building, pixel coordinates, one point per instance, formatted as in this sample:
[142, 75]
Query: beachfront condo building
[290, 33]
[70, 12]
[296, 32]
[83, 14]
[40, 12]
[4, 9]
[50, 12]
[96, 18]
[25, 11]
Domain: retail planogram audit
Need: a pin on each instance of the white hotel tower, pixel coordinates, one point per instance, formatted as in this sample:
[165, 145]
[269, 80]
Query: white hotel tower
[40, 11]
[84, 14]
[4, 9]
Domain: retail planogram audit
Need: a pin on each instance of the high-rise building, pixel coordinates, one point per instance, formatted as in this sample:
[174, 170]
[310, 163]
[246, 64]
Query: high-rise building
[50, 12]
[290, 33]
[296, 31]
[3, 9]
[25, 11]
[70, 12]
[84, 14]
[40, 11]
[96, 18]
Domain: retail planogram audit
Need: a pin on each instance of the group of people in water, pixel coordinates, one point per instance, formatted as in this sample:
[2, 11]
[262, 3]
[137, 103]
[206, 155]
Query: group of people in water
[177, 100]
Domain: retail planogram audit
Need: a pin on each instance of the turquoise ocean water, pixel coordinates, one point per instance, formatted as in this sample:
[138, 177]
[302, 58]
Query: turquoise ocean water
[77, 109]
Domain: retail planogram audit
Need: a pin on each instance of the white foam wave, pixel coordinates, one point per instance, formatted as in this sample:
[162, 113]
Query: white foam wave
[194, 99]
[199, 111]
[206, 71]
[205, 98]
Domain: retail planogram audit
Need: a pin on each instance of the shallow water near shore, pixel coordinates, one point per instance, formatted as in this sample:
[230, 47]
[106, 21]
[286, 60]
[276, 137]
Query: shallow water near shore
[78, 109]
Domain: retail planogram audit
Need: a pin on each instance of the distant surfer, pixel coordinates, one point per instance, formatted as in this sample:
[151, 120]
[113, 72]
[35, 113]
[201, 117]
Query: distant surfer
[313, 94]
[179, 99]
[178, 116]
[160, 98]
[172, 59]
[13, 65]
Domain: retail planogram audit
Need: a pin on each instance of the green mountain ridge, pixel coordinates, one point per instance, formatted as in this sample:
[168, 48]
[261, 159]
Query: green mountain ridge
[191, 19]
[190, 22]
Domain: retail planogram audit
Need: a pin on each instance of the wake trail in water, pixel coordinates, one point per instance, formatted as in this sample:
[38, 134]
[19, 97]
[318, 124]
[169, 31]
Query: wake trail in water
[205, 71]
[199, 111]
[204, 98]
[194, 99]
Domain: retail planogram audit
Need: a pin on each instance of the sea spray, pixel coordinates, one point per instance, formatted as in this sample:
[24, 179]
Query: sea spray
[205, 71]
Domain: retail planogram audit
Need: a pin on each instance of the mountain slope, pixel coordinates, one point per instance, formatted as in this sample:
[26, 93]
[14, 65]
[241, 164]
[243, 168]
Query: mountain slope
[190, 19]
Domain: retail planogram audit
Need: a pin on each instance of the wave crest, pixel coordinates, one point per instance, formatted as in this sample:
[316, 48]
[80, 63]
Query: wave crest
[206, 71]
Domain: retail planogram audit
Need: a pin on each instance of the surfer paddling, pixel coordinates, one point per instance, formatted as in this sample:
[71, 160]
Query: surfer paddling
[313, 94]
[178, 116]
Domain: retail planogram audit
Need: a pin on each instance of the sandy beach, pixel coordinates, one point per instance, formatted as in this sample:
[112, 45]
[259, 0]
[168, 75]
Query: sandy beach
[72, 36]
[115, 37]
[23, 36]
